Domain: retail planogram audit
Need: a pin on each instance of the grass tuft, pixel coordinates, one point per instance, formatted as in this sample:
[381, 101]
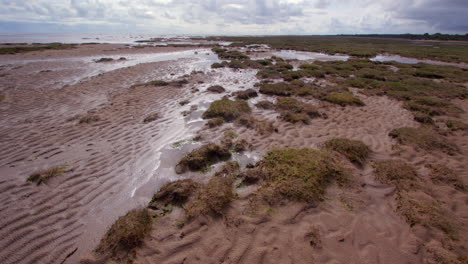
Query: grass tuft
[343, 99]
[354, 150]
[424, 138]
[201, 158]
[227, 109]
[43, 176]
[150, 118]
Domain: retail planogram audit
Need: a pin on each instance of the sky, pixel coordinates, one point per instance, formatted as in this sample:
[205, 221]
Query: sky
[235, 17]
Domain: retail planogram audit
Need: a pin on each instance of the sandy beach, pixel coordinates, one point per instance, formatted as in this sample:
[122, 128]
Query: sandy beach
[61, 108]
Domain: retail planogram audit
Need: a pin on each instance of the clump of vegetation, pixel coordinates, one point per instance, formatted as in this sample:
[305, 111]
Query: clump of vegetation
[20, 49]
[213, 197]
[343, 99]
[230, 54]
[456, 125]
[150, 118]
[201, 158]
[423, 119]
[297, 174]
[280, 89]
[265, 104]
[215, 122]
[104, 60]
[216, 89]
[174, 193]
[158, 83]
[354, 150]
[217, 65]
[125, 235]
[89, 118]
[43, 176]
[294, 111]
[442, 174]
[397, 173]
[263, 127]
[424, 138]
[246, 94]
[227, 109]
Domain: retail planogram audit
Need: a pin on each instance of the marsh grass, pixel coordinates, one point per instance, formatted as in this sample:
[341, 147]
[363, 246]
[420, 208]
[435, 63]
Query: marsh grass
[28, 48]
[43, 176]
[354, 150]
[246, 94]
[174, 193]
[203, 157]
[294, 111]
[227, 109]
[343, 99]
[125, 235]
[297, 174]
[397, 173]
[456, 125]
[423, 137]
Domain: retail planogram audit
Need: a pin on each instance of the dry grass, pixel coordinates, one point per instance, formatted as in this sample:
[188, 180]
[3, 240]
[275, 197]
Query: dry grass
[441, 174]
[216, 89]
[125, 235]
[424, 138]
[215, 122]
[397, 173]
[456, 125]
[246, 94]
[174, 193]
[354, 150]
[294, 111]
[227, 109]
[265, 104]
[43, 176]
[263, 127]
[201, 158]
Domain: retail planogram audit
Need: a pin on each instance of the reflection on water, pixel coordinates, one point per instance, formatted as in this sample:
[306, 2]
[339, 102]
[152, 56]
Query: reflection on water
[303, 55]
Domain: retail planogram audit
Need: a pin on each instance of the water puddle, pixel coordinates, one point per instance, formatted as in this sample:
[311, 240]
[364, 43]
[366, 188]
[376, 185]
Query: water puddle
[397, 58]
[303, 55]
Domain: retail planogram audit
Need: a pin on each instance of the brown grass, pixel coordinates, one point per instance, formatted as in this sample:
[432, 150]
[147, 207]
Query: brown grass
[423, 137]
[354, 150]
[174, 193]
[125, 235]
[441, 174]
[397, 173]
[43, 176]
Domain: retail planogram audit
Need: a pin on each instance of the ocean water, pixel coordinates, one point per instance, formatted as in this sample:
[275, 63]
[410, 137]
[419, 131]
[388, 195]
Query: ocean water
[114, 38]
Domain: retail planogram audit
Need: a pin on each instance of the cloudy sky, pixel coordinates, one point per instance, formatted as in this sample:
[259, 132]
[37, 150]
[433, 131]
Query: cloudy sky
[235, 17]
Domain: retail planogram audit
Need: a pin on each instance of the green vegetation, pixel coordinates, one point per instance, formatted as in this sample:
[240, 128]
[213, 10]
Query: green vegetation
[201, 158]
[43, 176]
[150, 118]
[297, 174]
[294, 111]
[227, 109]
[361, 46]
[343, 99]
[354, 150]
[230, 54]
[28, 48]
[125, 235]
[280, 89]
[423, 137]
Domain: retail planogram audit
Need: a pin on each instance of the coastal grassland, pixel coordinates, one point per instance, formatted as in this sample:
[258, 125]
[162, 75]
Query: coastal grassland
[34, 47]
[361, 46]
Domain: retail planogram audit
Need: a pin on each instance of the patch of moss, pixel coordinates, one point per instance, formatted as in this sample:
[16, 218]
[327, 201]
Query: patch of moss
[424, 138]
[43, 176]
[125, 235]
[150, 118]
[227, 109]
[201, 158]
[354, 150]
[343, 99]
[297, 174]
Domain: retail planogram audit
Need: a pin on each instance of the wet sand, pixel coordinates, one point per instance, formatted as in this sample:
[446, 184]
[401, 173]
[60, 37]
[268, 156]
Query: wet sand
[119, 162]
